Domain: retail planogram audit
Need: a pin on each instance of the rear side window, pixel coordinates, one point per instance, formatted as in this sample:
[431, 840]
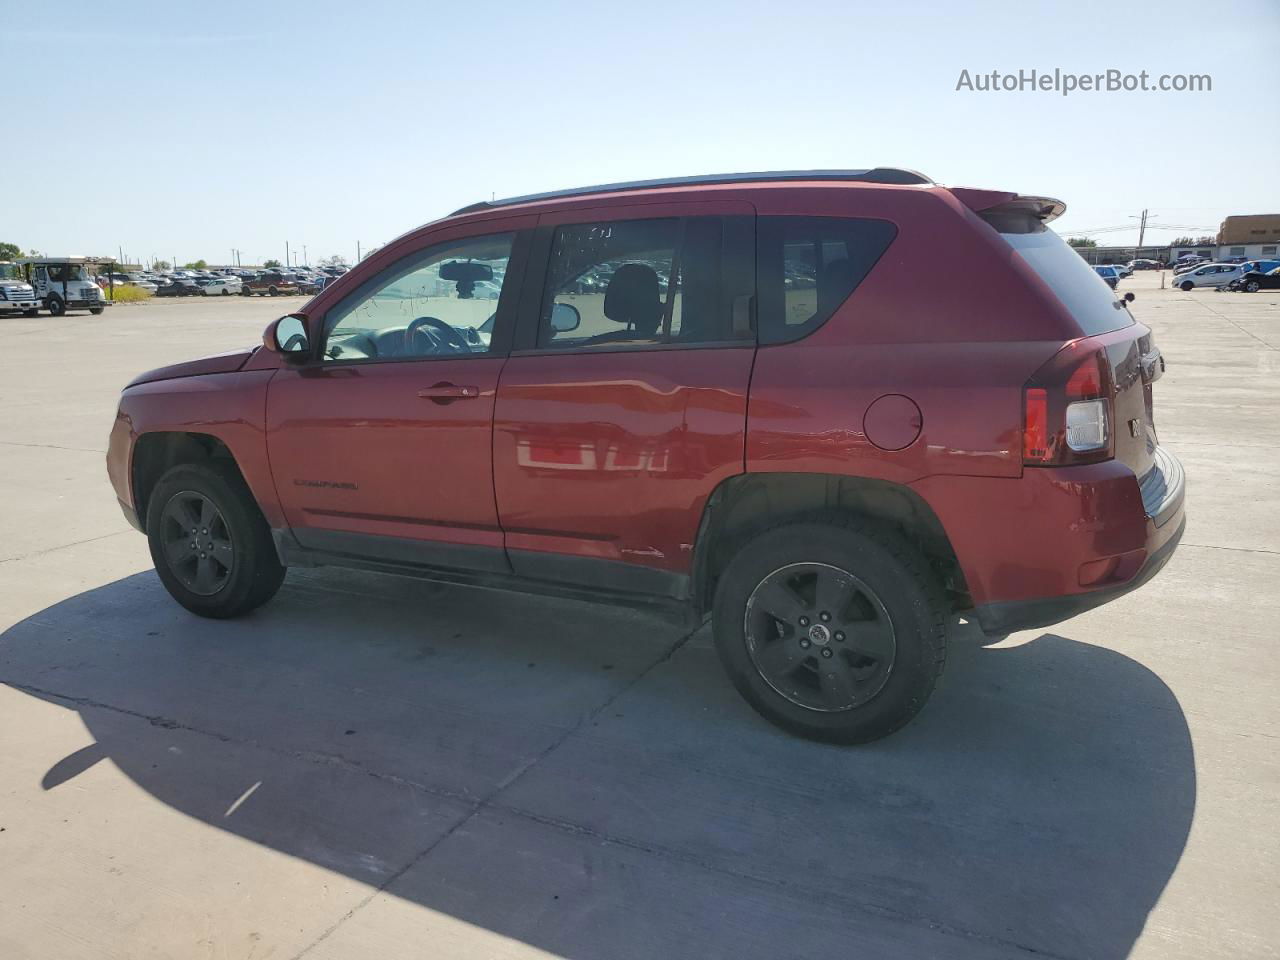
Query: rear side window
[1092, 304]
[808, 266]
[643, 283]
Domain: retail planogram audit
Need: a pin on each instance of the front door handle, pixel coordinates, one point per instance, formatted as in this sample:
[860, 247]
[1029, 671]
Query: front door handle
[444, 392]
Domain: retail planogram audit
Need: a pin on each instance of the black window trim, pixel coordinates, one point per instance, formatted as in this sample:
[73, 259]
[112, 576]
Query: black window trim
[503, 324]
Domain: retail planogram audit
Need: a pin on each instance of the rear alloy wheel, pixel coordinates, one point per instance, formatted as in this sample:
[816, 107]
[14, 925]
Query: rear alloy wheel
[1187, 285]
[819, 636]
[211, 546]
[832, 631]
[1252, 286]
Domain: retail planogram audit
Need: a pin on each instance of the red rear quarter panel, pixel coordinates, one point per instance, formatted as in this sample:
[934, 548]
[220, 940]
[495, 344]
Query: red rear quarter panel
[949, 317]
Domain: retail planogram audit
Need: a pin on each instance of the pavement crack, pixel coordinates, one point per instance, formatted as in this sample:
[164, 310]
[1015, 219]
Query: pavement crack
[1211, 546]
[808, 893]
[64, 546]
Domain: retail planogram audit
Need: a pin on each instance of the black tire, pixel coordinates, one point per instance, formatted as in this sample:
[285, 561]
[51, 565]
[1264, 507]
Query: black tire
[253, 573]
[55, 306]
[886, 576]
[97, 311]
[273, 291]
[1186, 285]
[1252, 286]
[246, 292]
[226, 292]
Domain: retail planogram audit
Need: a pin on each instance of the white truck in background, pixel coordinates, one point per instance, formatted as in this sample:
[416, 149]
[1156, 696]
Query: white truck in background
[64, 283]
[16, 295]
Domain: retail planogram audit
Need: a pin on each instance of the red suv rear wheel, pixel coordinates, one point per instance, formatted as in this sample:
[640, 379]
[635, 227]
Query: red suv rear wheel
[831, 631]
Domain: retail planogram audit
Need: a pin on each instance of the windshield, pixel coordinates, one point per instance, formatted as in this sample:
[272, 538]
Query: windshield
[67, 271]
[10, 271]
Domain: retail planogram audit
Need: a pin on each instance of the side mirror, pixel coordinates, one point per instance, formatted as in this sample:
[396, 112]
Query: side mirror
[565, 318]
[288, 337]
[1129, 297]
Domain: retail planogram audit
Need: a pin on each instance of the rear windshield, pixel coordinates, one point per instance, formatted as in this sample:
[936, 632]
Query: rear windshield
[1093, 305]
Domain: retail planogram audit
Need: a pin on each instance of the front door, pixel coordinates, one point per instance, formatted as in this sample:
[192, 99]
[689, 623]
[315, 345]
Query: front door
[624, 403]
[381, 446]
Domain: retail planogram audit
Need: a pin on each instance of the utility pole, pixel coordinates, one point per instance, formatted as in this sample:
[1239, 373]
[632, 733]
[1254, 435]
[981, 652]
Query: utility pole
[357, 251]
[304, 255]
[286, 254]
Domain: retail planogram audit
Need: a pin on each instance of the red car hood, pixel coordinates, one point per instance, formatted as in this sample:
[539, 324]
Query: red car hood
[218, 363]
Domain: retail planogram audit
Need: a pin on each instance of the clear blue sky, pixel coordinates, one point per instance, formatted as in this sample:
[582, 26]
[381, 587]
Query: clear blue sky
[170, 129]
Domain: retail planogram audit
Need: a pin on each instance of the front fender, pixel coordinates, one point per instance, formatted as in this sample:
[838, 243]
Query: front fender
[230, 407]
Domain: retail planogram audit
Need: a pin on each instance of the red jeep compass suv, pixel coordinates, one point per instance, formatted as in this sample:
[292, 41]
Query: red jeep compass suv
[737, 394]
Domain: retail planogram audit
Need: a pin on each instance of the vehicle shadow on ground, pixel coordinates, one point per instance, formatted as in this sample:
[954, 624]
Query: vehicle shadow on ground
[555, 773]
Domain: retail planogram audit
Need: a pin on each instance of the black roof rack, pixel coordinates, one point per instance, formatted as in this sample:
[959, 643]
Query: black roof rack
[890, 175]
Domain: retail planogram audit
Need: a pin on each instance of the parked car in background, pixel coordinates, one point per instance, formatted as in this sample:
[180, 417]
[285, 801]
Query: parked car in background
[222, 286]
[1255, 280]
[179, 287]
[313, 285]
[138, 280]
[271, 283]
[1210, 275]
[1144, 265]
[811, 483]
[1108, 273]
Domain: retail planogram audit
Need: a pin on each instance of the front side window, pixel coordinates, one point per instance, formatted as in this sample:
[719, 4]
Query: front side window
[437, 303]
[808, 267]
[640, 283]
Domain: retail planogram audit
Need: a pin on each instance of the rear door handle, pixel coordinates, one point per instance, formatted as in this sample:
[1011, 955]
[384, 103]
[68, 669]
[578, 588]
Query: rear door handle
[449, 391]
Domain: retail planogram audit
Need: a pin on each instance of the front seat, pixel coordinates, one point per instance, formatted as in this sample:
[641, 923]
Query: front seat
[632, 298]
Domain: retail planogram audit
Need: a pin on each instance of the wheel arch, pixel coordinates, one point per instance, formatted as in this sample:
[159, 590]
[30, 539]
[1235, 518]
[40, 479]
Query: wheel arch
[746, 505]
[158, 451]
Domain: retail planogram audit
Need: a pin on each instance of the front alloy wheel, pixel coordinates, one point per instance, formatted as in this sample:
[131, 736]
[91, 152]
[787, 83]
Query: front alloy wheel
[197, 543]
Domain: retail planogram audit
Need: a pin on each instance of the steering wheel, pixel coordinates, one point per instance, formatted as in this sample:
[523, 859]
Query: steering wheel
[449, 336]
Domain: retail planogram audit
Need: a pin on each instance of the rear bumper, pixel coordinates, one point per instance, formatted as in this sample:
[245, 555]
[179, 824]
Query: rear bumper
[998, 619]
[1109, 575]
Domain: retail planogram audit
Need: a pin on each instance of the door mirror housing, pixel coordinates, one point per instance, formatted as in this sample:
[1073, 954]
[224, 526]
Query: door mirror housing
[288, 337]
[565, 318]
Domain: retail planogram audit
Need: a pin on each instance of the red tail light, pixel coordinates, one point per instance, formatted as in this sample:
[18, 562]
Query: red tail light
[1068, 409]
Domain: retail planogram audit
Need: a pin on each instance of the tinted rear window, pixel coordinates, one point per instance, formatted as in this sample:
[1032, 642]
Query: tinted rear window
[808, 266]
[1082, 291]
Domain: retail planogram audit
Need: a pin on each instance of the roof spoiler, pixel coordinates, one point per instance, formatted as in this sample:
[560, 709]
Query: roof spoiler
[1001, 204]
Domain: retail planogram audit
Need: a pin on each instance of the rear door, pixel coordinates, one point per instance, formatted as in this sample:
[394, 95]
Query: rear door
[624, 403]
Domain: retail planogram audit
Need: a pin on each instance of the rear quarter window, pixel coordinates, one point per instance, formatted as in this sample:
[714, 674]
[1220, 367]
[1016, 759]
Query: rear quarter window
[1092, 304]
[808, 266]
